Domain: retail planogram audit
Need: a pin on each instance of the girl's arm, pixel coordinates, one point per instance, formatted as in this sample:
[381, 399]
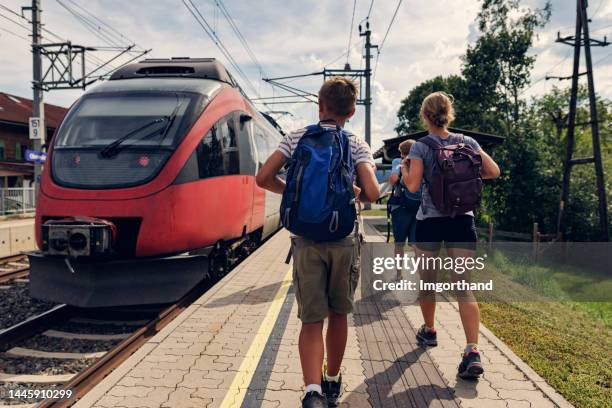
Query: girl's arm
[413, 176]
[490, 169]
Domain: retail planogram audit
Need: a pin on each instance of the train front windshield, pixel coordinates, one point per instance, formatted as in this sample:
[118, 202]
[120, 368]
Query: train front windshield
[114, 140]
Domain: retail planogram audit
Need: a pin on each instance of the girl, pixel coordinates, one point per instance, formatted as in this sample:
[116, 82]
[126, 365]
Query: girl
[433, 227]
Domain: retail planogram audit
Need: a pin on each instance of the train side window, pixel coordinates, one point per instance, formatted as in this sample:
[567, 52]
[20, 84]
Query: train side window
[210, 154]
[231, 163]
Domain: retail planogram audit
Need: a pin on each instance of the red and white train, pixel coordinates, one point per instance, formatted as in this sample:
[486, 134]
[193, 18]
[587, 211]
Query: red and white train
[150, 186]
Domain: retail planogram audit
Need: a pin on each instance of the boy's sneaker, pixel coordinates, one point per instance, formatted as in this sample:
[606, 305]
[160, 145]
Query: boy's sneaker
[331, 389]
[470, 367]
[314, 400]
[427, 337]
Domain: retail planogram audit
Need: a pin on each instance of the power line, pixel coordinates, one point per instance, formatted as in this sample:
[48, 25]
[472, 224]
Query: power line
[382, 44]
[550, 70]
[601, 28]
[350, 37]
[14, 33]
[603, 58]
[58, 37]
[597, 9]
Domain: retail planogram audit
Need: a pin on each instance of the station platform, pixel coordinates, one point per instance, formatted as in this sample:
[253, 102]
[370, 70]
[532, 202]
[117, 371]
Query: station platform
[16, 236]
[237, 347]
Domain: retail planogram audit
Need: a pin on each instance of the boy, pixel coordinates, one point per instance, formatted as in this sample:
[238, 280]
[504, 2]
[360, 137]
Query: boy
[403, 205]
[325, 273]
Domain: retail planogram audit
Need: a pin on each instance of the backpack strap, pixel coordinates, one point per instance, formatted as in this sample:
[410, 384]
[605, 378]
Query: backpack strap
[430, 142]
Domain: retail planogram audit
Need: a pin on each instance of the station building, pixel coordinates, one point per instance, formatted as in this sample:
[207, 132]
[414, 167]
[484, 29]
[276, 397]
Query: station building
[15, 112]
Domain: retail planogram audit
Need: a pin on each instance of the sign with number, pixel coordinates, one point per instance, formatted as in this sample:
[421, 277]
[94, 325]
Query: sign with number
[35, 128]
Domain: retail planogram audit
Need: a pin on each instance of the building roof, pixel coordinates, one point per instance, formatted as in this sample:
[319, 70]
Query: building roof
[17, 110]
[389, 150]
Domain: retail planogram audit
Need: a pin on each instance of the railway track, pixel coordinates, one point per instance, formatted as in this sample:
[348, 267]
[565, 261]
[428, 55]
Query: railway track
[27, 345]
[13, 267]
[87, 379]
[16, 343]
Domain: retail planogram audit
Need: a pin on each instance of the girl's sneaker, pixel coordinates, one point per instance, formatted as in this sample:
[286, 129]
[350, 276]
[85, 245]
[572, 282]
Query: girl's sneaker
[427, 337]
[470, 367]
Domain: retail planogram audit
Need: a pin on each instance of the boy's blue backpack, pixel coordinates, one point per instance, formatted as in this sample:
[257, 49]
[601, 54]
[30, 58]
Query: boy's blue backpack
[319, 201]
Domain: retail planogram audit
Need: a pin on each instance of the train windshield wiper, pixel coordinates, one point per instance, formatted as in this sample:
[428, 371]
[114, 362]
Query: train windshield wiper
[113, 148]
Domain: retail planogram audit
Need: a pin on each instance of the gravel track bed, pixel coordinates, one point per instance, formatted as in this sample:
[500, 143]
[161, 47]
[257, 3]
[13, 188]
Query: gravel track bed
[49, 366]
[17, 305]
[5, 388]
[44, 343]
[72, 327]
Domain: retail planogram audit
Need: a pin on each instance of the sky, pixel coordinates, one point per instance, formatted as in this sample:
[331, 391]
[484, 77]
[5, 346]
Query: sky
[292, 37]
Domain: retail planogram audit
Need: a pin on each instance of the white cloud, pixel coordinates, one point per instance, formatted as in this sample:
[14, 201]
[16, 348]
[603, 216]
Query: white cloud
[294, 37]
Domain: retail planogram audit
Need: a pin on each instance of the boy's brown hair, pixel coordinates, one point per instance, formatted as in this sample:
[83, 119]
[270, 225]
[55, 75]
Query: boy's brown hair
[406, 145]
[339, 95]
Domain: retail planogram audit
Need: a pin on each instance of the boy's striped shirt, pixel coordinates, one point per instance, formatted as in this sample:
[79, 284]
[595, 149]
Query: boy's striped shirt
[360, 150]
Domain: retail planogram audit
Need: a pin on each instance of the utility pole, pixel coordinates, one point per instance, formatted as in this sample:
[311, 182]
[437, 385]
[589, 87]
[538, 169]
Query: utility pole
[38, 106]
[581, 39]
[368, 75]
[60, 73]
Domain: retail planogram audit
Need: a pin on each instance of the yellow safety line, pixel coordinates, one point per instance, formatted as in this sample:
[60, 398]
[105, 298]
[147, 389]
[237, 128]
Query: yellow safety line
[238, 389]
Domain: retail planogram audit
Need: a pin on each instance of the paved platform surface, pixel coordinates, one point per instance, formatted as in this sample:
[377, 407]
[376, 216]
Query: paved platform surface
[237, 347]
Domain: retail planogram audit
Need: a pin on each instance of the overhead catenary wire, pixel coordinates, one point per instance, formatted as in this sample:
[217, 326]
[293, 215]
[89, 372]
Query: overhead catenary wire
[89, 25]
[46, 34]
[111, 30]
[14, 33]
[208, 29]
[45, 30]
[605, 57]
[240, 36]
[350, 37]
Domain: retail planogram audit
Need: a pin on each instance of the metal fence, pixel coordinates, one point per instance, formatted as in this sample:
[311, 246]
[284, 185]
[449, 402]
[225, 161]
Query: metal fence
[17, 200]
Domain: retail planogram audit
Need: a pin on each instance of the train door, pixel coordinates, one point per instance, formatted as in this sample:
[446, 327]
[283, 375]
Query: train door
[248, 164]
[266, 201]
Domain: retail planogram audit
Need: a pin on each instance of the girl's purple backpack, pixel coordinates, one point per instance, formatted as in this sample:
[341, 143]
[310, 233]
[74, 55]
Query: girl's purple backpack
[456, 185]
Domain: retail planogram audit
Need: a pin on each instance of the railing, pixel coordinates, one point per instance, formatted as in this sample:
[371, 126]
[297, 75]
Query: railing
[17, 200]
[540, 242]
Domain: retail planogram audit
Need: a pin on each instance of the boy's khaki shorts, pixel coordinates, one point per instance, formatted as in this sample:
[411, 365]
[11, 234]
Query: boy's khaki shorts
[325, 276]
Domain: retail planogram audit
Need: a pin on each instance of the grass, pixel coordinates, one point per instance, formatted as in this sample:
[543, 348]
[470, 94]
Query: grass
[568, 343]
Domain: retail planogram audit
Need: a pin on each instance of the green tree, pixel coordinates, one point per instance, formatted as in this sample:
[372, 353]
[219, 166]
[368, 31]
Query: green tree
[497, 67]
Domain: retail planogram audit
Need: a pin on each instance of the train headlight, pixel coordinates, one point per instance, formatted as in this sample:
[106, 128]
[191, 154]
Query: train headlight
[58, 244]
[78, 241]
